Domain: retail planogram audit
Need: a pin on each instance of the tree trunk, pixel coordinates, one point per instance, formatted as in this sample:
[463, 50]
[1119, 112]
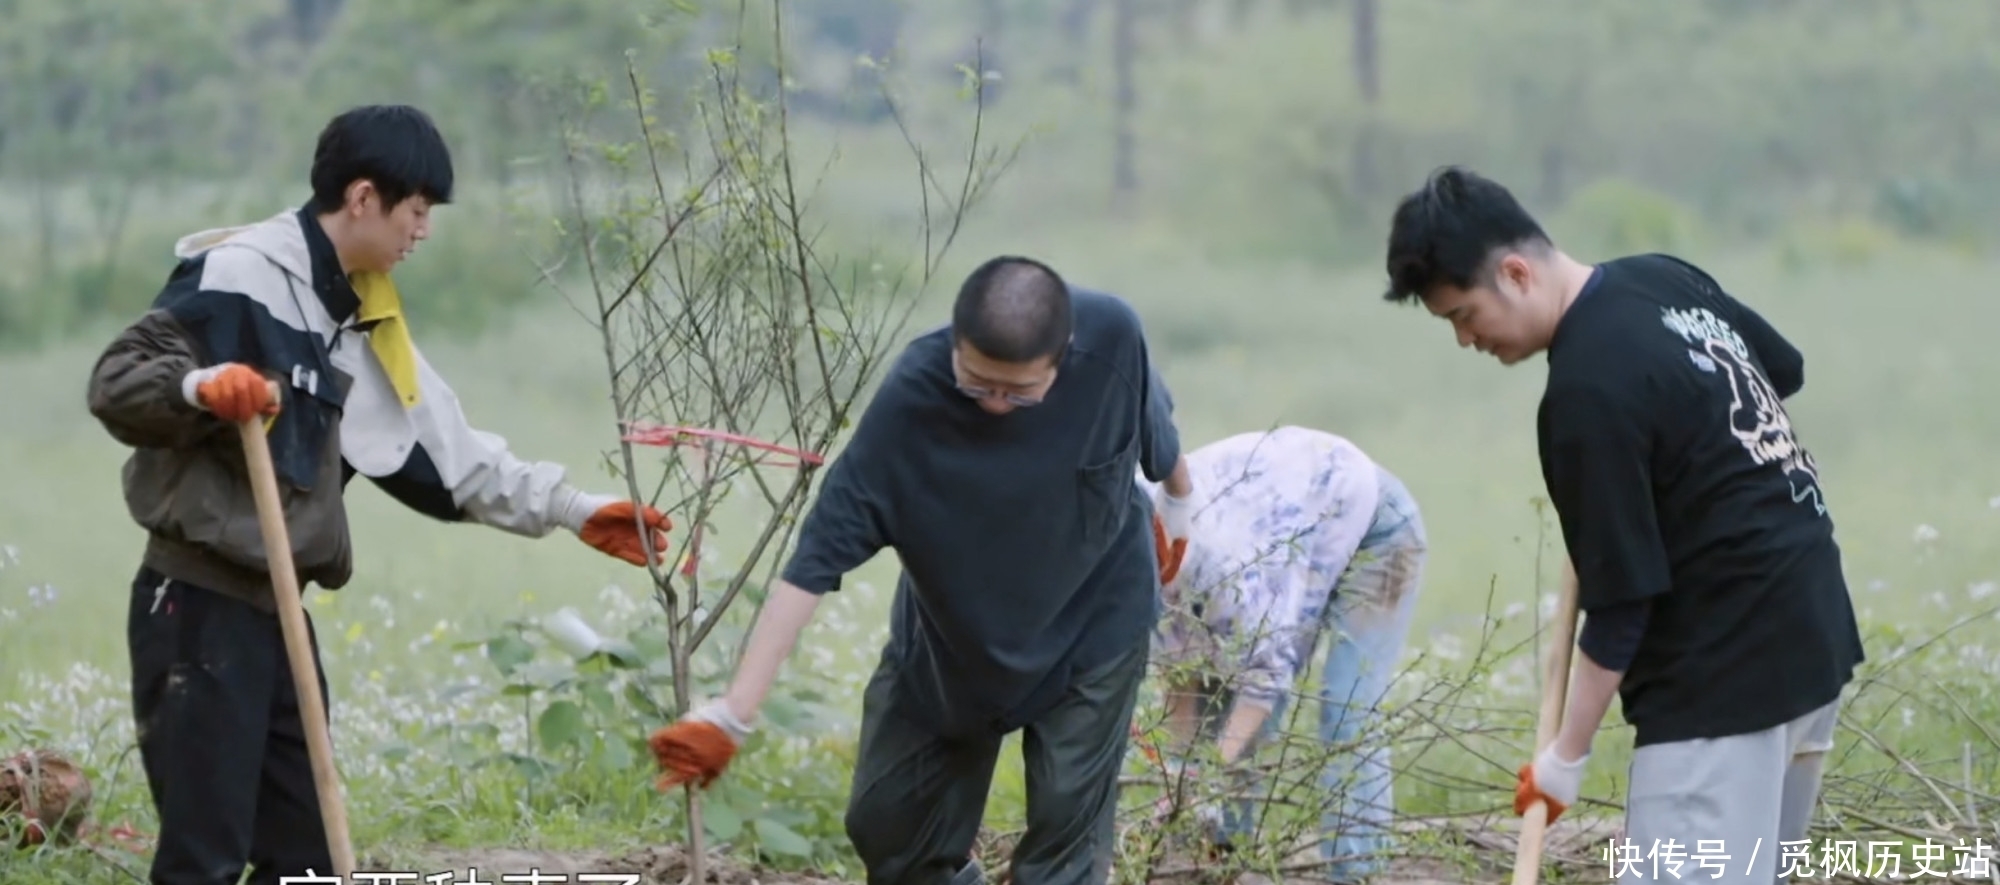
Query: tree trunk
[1368, 76]
[1125, 100]
[1074, 23]
[1367, 50]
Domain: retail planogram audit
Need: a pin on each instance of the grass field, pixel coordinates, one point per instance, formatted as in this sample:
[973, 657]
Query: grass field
[1897, 408]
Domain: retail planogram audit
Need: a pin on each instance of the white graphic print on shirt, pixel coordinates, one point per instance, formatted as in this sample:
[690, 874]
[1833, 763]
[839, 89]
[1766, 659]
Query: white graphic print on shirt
[1756, 413]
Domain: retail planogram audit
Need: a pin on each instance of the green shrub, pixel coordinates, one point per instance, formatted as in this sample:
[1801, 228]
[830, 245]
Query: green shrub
[1844, 241]
[1613, 217]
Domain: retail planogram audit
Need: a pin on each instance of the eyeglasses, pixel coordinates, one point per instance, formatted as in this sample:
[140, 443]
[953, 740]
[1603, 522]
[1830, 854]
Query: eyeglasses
[973, 391]
[1013, 399]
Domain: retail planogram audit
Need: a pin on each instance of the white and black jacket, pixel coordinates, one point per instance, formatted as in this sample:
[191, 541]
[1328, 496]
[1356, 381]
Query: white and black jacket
[272, 295]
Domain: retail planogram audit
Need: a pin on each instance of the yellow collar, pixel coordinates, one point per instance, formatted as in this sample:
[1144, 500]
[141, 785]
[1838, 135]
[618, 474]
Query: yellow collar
[390, 338]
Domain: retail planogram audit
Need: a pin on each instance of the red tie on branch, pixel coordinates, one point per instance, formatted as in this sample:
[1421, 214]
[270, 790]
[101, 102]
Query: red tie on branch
[645, 434]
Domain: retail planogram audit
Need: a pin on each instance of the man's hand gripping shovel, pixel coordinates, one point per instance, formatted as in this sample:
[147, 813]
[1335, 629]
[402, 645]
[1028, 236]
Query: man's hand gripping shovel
[1555, 691]
[298, 648]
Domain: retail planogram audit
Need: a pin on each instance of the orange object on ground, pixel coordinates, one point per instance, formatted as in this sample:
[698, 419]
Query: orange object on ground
[691, 752]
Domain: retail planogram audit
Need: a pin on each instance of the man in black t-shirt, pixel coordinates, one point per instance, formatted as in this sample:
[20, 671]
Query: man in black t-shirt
[1707, 569]
[997, 459]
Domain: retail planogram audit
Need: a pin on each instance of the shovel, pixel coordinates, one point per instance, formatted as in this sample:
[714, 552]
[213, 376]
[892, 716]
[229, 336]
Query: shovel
[298, 642]
[1555, 691]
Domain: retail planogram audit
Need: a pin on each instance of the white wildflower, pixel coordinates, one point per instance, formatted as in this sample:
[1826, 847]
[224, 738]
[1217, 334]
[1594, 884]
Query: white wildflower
[1448, 647]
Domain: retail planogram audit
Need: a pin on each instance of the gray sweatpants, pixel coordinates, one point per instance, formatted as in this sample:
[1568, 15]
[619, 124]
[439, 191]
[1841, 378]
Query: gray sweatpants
[1715, 810]
[918, 799]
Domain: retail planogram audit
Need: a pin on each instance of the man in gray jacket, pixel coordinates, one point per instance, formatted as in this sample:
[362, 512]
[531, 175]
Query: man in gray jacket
[303, 299]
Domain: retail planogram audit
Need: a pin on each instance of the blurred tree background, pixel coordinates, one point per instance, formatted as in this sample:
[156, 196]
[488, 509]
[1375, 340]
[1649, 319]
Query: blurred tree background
[1254, 130]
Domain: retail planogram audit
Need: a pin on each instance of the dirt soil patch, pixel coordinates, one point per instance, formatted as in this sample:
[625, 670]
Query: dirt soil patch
[661, 865]
[1455, 853]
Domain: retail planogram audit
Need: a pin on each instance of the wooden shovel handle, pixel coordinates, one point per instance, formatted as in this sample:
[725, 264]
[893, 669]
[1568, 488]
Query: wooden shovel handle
[1555, 692]
[298, 647]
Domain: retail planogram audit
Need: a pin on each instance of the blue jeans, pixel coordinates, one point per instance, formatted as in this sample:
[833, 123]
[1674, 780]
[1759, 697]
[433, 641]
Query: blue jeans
[1369, 617]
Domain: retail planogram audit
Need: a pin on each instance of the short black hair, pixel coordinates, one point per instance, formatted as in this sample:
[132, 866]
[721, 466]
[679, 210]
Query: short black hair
[1013, 309]
[396, 147]
[1446, 233]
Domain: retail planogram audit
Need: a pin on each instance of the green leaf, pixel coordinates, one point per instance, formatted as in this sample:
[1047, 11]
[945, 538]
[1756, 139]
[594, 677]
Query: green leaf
[722, 822]
[790, 817]
[649, 643]
[530, 767]
[781, 839]
[462, 754]
[641, 700]
[623, 654]
[560, 725]
[481, 731]
[508, 652]
[549, 674]
[616, 757]
[600, 699]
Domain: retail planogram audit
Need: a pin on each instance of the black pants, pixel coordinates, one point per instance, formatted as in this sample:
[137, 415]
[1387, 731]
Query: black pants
[221, 739]
[918, 799]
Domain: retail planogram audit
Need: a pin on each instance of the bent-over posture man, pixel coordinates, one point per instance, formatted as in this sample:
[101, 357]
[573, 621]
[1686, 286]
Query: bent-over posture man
[1705, 557]
[996, 459]
[302, 299]
[1299, 531]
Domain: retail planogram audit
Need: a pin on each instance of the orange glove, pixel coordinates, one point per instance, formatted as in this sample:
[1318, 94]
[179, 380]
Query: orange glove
[697, 748]
[234, 392]
[611, 530]
[1557, 784]
[1168, 554]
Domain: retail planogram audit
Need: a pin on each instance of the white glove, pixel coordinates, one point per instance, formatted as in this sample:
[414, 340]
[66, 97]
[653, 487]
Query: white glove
[1557, 778]
[1176, 515]
[717, 713]
[1173, 519]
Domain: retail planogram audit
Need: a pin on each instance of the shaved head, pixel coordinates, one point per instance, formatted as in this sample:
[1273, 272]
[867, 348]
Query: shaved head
[1013, 310]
